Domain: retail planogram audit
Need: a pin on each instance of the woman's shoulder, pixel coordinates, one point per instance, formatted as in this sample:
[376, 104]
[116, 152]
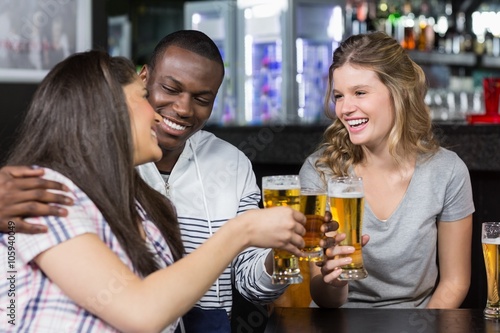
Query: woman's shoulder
[443, 157]
[51, 174]
[74, 192]
[446, 162]
[314, 156]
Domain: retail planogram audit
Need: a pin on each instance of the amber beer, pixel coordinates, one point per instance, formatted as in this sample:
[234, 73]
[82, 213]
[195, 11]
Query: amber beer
[347, 208]
[283, 191]
[313, 205]
[491, 254]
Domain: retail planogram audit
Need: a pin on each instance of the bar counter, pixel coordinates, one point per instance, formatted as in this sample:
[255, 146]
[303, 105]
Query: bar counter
[477, 145]
[311, 320]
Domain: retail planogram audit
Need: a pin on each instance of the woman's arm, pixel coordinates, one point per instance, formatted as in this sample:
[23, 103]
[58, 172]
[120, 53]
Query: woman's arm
[454, 251]
[327, 291]
[95, 278]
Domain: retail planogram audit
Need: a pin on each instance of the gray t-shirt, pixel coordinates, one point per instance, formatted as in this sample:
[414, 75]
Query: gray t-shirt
[401, 255]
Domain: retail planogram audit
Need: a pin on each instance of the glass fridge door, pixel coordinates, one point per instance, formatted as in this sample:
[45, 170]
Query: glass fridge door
[261, 32]
[217, 20]
[286, 48]
[319, 27]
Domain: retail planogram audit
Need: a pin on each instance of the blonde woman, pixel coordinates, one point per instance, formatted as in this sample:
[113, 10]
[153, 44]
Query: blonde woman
[418, 197]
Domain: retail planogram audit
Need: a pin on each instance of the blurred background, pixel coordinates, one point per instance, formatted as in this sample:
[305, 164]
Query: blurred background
[276, 55]
[277, 52]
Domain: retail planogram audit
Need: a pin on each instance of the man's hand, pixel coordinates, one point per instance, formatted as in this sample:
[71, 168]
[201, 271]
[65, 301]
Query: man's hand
[23, 193]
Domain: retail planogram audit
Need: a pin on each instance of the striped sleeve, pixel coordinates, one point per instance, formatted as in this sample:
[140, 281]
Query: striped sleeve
[250, 276]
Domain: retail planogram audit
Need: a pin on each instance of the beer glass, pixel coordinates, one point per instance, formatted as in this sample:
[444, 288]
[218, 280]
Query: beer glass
[347, 207]
[313, 206]
[490, 238]
[283, 191]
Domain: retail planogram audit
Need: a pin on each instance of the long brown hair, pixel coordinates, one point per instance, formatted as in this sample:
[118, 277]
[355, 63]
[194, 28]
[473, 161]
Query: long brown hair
[78, 124]
[412, 131]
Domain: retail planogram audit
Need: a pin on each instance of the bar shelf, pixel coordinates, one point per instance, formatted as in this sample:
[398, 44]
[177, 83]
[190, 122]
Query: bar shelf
[461, 59]
[490, 61]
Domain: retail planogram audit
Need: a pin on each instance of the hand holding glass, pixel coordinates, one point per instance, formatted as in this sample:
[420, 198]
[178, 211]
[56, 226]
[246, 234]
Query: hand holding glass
[283, 191]
[313, 206]
[347, 208]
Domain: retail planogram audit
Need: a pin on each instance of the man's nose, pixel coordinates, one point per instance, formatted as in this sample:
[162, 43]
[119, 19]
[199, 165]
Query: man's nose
[183, 105]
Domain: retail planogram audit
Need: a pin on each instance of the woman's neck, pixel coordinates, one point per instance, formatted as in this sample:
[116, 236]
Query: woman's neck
[382, 162]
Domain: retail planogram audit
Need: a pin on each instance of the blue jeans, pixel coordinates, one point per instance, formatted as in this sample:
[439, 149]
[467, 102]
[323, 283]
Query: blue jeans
[206, 321]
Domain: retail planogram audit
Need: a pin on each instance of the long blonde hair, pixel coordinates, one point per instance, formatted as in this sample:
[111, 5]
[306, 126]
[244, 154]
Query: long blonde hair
[412, 131]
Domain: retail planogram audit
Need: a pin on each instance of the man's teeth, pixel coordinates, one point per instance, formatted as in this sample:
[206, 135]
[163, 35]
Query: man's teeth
[174, 125]
[357, 122]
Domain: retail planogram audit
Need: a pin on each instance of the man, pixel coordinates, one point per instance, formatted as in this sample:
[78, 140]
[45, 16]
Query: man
[208, 180]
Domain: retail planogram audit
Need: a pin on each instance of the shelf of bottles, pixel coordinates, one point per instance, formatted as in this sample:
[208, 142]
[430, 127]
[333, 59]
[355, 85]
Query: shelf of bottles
[437, 31]
[457, 43]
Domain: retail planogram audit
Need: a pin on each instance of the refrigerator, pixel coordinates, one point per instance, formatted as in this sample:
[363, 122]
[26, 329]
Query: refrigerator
[217, 20]
[284, 50]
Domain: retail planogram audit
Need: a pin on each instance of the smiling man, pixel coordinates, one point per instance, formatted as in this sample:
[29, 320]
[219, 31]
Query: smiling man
[208, 180]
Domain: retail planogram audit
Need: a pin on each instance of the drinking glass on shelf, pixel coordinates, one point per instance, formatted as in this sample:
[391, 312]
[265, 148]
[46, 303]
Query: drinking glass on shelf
[313, 206]
[347, 207]
[277, 191]
[490, 239]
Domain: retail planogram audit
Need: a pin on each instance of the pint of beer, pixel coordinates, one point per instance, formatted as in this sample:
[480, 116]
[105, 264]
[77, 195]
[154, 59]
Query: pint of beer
[347, 207]
[313, 205]
[490, 237]
[283, 191]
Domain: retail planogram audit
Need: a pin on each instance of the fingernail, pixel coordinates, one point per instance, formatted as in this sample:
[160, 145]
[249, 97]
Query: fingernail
[39, 228]
[62, 212]
[68, 201]
[347, 260]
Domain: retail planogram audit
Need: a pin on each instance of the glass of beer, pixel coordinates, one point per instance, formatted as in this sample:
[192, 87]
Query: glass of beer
[347, 207]
[313, 206]
[490, 239]
[283, 191]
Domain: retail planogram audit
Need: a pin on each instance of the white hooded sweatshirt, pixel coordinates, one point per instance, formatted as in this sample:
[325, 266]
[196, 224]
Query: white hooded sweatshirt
[211, 183]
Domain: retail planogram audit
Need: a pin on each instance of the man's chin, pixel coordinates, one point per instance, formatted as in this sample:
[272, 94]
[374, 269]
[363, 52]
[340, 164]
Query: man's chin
[172, 145]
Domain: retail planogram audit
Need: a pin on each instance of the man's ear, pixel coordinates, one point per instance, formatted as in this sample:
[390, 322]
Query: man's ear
[143, 74]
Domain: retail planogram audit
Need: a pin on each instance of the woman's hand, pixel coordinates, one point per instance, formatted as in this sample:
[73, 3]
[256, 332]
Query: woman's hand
[277, 227]
[331, 266]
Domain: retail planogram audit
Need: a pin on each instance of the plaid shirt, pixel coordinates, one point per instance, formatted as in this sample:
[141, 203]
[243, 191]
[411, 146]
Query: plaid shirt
[40, 305]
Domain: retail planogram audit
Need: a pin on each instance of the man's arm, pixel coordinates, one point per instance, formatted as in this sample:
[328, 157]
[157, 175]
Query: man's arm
[24, 193]
[251, 268]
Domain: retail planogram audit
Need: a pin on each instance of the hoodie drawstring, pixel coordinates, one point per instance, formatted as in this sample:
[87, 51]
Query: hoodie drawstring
[205, 204]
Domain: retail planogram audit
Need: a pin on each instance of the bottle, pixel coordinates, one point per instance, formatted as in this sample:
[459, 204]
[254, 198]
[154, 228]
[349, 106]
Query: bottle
[408, 19]
[440, 28]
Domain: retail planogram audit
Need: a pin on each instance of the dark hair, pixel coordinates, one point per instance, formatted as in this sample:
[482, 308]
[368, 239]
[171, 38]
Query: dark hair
[78, 124]
[192, 40]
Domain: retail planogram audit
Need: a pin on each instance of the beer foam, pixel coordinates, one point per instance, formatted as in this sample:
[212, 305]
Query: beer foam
[494, 241]
[281, 187]
[346, 195]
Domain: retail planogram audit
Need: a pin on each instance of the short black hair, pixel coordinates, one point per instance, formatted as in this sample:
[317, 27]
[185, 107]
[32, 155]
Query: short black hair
[192, 40]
